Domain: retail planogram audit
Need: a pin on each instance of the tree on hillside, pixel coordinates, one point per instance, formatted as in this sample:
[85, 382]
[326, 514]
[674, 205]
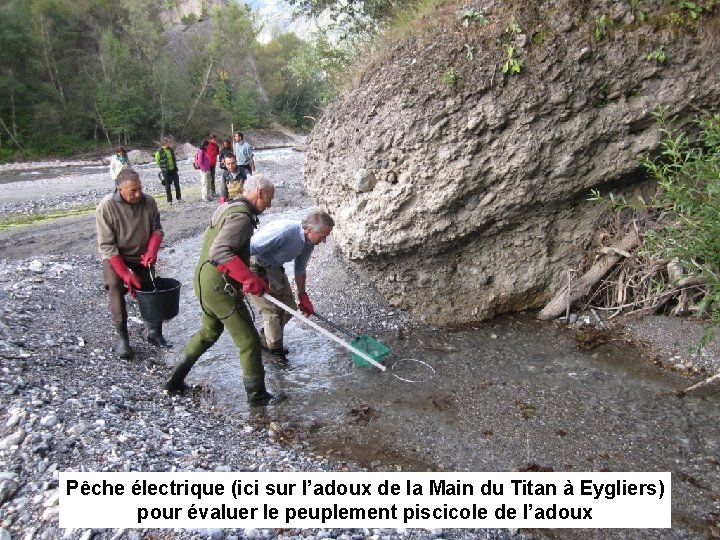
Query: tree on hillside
[351, 17]
[170, 93]
[17, 68]
[121, 96]
[300, 76]
[141, 28]
[223, 72]
[320, 68]
[65, 33]
[166, 89]
[236, 28]
[272, 59]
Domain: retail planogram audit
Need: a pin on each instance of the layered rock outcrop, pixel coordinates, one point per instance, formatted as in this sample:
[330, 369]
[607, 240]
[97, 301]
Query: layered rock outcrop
[460, 191]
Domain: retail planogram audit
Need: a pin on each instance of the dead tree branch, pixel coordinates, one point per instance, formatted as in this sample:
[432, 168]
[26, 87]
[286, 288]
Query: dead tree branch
[583, 285]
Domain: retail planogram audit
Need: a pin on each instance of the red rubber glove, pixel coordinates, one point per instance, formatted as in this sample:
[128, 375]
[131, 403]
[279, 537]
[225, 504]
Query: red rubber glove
[306, 305]
[131, 281]
[237, 270]
[221, 199]
[153, 246]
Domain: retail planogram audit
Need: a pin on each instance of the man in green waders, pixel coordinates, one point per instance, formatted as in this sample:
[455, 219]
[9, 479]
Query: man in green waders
[221, 277]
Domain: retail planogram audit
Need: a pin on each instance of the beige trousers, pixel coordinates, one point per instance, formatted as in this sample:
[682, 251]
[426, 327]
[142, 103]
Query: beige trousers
[274, 318]
[207, 186]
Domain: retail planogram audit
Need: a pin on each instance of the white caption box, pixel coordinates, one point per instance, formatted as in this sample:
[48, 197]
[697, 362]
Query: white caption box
[368, 499]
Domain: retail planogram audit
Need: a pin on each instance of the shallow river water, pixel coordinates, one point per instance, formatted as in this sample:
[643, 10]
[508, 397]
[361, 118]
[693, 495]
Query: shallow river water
[513, 393]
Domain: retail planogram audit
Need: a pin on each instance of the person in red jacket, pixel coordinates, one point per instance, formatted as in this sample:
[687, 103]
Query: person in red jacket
[129, 236]
[213, 150]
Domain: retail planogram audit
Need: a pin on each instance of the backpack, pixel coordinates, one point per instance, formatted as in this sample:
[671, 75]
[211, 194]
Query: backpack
[195, 160]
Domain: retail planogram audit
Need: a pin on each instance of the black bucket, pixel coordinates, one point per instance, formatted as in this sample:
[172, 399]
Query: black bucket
[160, 302]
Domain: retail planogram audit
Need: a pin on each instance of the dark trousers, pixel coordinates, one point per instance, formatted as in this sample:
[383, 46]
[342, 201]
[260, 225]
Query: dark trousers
[172, 177]
[116, 288]
[212, 181]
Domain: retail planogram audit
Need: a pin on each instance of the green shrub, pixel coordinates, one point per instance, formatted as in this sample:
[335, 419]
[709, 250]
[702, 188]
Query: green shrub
[512, 65]
[451, 77]
[601, 28]
[61, 145]
[469, 16]
[658, 55]
[6, 154]
[189, 19]
[687, 202]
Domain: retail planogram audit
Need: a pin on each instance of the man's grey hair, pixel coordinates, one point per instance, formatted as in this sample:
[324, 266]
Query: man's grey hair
[125, 175]
[317, 220]
[258, 181]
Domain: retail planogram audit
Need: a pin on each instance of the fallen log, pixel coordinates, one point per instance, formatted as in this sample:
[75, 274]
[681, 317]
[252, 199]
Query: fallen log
[701, 384]
[581, 287]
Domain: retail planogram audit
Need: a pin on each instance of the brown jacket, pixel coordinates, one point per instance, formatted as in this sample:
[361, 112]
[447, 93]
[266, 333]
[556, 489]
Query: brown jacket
[123, 228]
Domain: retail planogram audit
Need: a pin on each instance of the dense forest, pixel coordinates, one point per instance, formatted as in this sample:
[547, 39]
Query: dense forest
[77, 74]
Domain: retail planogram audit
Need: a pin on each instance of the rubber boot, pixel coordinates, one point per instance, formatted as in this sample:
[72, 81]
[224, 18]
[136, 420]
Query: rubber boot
[257, 395]
[122, 342]
[155, 336]
[277, 351]
[176, 383]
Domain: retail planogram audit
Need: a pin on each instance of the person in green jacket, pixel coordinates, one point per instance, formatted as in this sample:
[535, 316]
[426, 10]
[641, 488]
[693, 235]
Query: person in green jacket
[165, 159]
[222, 278]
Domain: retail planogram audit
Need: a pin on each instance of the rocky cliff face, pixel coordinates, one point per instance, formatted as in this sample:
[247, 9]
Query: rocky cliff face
[461, 191]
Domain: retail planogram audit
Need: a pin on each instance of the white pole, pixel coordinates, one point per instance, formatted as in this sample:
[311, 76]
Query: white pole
[320, 329]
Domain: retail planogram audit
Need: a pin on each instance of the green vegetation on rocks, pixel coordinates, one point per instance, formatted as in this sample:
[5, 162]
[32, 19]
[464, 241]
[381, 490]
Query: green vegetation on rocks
[680, 221]
[688, 204]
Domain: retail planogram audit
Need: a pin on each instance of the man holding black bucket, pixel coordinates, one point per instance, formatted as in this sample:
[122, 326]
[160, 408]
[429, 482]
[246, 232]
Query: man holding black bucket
[129, 236]
[222, 281]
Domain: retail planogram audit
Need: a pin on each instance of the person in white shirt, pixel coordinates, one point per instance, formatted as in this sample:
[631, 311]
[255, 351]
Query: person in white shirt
[119, 162]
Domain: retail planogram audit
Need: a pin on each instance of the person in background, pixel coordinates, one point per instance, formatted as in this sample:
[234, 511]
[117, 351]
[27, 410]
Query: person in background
[213, 150]
[233, 179]
[222, 281]
[129, 236]
[243, 153]
[165, 158]
[119, 162]
[277, 243]
[226, 150]
[202, 162]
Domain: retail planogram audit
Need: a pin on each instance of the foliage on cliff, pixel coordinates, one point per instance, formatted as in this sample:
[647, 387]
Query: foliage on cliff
[677, 268]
